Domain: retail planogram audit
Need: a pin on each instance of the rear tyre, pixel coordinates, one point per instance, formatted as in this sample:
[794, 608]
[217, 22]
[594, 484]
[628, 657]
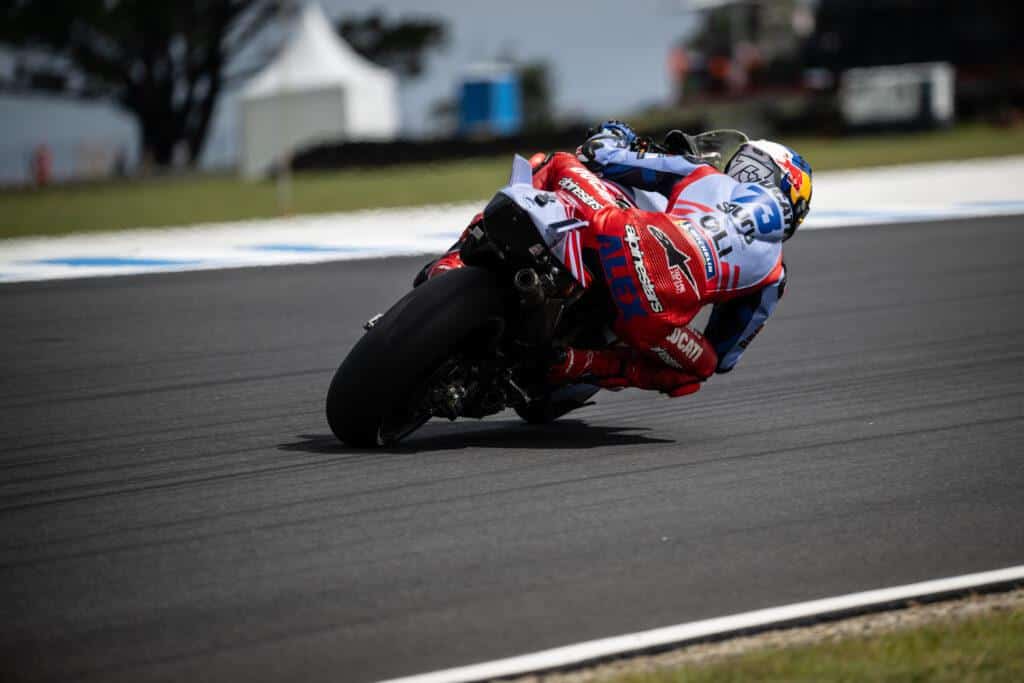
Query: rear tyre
[375, 396]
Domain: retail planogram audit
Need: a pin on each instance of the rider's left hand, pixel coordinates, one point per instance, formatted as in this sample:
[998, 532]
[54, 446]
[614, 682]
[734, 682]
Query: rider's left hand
[607, 137]
[595, 151]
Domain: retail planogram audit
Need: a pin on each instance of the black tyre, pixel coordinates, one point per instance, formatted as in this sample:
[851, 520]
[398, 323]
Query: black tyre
[375, 393]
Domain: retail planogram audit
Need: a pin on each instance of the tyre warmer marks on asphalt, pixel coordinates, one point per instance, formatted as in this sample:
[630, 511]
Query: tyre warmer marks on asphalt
[927, 192]
[578, 654]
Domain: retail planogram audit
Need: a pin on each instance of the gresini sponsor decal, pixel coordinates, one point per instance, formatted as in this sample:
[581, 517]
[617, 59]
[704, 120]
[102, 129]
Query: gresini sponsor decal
[571, 186]
[678, 262]
[633, 242]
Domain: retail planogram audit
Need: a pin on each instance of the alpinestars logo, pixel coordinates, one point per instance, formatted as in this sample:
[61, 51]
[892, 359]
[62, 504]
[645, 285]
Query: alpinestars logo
[632, 240]
[570, 185]
[678, 262]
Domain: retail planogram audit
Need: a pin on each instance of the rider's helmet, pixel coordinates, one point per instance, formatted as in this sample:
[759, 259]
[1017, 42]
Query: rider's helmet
[761, 161]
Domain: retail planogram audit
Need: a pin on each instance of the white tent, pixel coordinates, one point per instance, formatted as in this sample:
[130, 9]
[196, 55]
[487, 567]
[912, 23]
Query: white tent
[317, 89]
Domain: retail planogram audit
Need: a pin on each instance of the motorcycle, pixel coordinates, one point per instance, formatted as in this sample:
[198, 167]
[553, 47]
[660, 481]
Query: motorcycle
[477, 340]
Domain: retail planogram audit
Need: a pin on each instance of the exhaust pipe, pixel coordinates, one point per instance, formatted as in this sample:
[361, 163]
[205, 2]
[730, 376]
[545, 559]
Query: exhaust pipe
[528, 284]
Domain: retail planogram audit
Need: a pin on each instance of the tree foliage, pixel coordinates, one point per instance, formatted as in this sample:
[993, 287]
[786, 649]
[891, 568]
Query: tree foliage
[398, 45]
[535, 87]
[165, 62]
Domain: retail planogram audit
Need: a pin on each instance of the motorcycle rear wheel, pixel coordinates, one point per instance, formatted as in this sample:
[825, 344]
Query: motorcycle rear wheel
[375, 396]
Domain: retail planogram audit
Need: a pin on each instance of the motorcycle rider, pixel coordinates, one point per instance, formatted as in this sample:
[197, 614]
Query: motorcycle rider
[718, 242]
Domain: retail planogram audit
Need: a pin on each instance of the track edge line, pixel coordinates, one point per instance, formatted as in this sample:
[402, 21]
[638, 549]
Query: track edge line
[743, 623]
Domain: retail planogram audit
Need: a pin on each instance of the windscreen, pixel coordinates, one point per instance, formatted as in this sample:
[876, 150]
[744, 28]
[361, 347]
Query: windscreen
[716, 147]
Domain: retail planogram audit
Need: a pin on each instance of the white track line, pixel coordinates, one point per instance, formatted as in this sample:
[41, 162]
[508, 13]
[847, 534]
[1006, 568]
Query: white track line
[574, 655]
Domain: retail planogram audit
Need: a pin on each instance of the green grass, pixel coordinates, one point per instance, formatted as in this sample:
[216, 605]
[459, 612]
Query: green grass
[978, 650]
[198, 199]
[965, 142]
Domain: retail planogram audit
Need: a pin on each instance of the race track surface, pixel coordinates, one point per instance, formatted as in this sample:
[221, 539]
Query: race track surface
[173, 507]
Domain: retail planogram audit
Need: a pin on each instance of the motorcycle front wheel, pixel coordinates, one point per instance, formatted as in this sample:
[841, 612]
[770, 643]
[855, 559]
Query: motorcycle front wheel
[376, 396]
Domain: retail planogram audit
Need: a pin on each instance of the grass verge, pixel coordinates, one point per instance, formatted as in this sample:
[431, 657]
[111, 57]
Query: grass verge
[982, 649]
[976, 639]
[200, 199]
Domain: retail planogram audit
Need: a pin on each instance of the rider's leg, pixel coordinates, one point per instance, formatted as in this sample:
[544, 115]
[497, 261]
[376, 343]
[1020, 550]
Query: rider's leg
[450, 260]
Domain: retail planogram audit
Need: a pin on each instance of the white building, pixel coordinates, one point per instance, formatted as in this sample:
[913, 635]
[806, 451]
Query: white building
[318, 89]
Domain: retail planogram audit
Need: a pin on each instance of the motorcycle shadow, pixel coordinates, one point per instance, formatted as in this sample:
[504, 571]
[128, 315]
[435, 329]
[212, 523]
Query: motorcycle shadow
[504, 434]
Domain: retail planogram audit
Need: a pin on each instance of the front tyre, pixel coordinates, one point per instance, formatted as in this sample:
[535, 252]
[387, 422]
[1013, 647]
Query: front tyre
[376, 395]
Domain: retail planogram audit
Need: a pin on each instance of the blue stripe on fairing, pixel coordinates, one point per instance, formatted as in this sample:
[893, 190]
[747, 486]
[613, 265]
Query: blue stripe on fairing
[94, 261]
[310, 248]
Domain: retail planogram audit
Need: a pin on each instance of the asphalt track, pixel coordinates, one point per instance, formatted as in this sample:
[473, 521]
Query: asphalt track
[173, 507]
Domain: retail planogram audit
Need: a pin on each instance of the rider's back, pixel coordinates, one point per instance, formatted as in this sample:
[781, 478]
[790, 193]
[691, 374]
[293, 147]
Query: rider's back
[736, 224]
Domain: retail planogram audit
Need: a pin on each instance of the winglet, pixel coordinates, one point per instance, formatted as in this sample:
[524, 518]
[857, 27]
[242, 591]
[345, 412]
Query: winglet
[522, 172]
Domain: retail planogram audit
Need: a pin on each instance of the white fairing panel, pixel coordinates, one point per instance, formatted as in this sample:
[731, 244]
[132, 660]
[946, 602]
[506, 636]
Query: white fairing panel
[559, 230]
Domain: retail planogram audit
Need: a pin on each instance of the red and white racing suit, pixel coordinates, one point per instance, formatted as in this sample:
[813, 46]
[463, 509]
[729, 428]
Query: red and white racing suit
[660, 269]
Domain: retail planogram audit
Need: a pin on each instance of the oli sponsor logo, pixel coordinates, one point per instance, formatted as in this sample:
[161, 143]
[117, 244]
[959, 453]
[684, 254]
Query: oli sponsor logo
[633, 242]
[717, 232]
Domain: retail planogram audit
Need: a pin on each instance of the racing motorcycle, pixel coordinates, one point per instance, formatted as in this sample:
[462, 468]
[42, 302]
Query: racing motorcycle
[477, 340]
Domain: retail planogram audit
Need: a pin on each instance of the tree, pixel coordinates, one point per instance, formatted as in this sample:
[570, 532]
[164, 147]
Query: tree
[535, 86]
[398, 45]
[164, 62]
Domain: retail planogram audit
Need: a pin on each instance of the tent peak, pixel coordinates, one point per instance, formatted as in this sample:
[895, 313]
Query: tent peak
[314, 57]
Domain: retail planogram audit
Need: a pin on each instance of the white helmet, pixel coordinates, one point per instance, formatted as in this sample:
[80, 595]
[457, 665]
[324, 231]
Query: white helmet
[761, 161]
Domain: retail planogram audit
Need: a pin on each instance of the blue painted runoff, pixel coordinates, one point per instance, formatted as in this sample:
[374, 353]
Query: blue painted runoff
[310, 248]
[93, 261]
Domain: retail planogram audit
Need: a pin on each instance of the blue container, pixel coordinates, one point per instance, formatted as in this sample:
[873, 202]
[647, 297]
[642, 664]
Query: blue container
[490, 104]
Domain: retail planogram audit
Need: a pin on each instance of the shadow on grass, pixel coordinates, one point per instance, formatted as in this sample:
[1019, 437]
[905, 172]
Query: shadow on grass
[512, 434]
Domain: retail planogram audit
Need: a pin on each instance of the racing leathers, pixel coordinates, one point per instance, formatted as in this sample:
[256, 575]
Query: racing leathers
[661, 267]
[738, 227]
